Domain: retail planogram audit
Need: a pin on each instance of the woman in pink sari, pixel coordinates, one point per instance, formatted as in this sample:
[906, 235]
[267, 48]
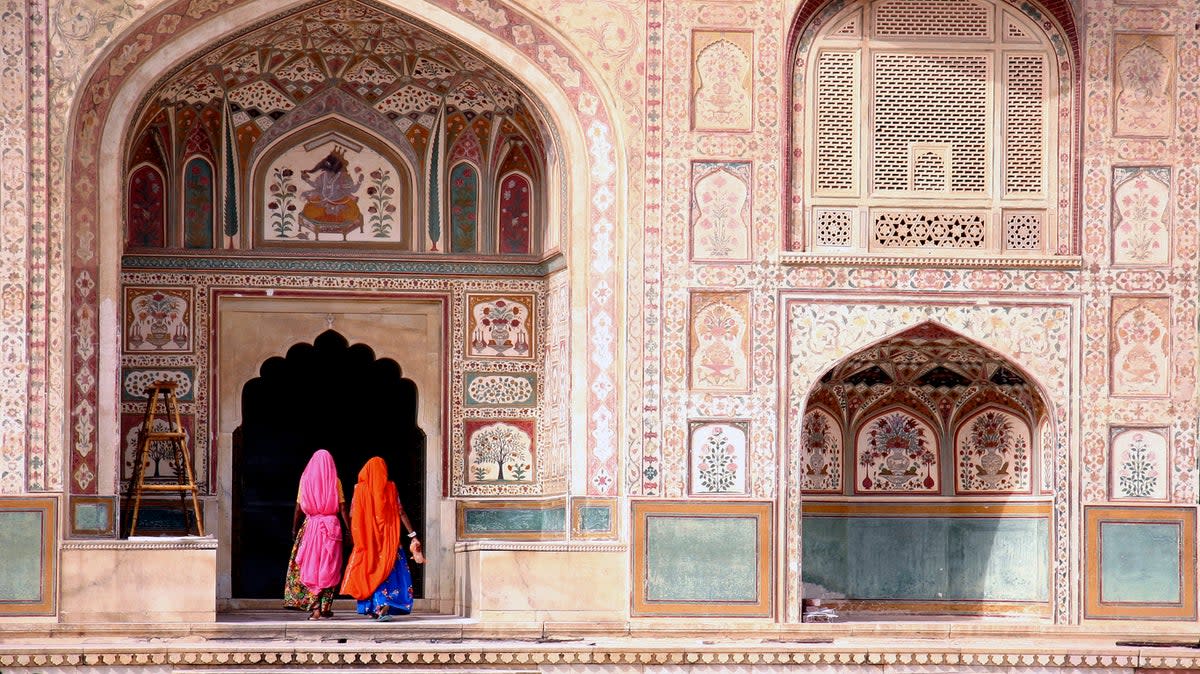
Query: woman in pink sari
[315, 567]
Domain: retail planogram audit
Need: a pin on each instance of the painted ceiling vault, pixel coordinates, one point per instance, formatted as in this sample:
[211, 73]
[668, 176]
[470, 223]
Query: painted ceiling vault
[931, 369]
[401, 71]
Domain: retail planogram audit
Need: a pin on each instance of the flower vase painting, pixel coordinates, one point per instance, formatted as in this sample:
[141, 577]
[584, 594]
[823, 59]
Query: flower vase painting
[158, 320]
[897, 453]
[500, 326]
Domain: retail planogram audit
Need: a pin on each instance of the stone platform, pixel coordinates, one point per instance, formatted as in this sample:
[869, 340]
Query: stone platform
[270, 641]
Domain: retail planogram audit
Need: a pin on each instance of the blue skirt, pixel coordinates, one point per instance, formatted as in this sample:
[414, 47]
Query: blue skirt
[394, 596]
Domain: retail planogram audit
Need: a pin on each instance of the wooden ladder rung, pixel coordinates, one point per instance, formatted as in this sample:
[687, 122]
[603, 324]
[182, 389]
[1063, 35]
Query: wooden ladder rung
[166, 435]
[168, 487]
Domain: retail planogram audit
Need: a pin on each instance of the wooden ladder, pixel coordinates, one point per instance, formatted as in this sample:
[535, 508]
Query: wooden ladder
[181, 459]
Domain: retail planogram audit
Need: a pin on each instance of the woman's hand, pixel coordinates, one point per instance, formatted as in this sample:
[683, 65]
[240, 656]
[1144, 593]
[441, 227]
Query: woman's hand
[417, 553]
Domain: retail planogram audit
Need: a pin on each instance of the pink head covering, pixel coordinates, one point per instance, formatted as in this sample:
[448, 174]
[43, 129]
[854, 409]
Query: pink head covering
[320, 553]
[318, 485]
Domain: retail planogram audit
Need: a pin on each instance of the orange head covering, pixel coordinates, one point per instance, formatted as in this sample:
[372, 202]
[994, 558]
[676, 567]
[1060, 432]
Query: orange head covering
[375, 525]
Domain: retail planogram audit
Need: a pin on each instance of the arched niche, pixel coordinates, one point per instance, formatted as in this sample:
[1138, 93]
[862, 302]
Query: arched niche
[937, 383]
[331, 183]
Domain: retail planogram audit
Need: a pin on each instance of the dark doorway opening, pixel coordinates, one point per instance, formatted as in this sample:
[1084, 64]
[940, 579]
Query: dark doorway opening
[325, 395]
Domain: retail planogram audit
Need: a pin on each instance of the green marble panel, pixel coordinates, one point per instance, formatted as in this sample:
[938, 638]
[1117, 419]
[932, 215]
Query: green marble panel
[928, 558]
[595, 518]
[21, 543]
[92, 517]
[696, 558]
[514, 520]
[1139, 562]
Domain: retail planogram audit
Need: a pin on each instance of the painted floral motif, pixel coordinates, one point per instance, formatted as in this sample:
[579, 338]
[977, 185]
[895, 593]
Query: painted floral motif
[1139, 457]
[1141, 357]
[381, 210]
[821, 463]
[198, 192]
[515, 201]
[993, 454]
[500, 327]
[500, 451]
[722, 99]
[1144, 106]
[897, 453]
[718, 458]
[464, 208]
[499, 389]
[157, 320]
[720, 361]
[1141, 224]
[721, 211]
[282, 207]
[146, 217]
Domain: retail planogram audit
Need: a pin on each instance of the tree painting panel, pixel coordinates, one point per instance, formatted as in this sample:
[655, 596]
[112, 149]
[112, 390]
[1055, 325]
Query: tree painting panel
[464, 208]
[161, 463]
[145, 217]
[500, 450]
[198, 192]
[515, 201]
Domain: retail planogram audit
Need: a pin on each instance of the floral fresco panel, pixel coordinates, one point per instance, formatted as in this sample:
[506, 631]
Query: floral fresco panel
[1138, 463]
[821, 459]
[1141, 215]
[500, 326]
[896, 452]
[500, 450]
[1140, 346]
[720, 341]
[993, 453]
[158, 320]
[718, 457]
[720, 211]
[1144, 82]
[722, 82]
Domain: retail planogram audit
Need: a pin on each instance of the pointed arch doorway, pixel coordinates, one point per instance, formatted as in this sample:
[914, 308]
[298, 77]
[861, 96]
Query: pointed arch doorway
[325, 395]
[400, 339]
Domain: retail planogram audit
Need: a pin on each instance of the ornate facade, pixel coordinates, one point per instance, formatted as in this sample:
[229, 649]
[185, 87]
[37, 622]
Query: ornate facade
[735, 304]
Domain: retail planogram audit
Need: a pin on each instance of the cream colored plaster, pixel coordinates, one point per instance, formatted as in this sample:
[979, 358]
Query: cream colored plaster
[128, 584]
[535, 585]
[407, 330]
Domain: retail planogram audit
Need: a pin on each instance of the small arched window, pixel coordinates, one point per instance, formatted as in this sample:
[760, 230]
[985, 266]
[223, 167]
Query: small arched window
[928, 128]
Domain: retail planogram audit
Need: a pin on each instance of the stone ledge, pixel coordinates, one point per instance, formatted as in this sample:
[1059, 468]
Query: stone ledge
[1057, 262]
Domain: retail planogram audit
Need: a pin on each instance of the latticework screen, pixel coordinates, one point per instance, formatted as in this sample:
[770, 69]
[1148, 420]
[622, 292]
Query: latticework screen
[930, 122]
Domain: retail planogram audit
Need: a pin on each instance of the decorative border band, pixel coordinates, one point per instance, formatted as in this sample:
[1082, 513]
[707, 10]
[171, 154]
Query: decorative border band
[939, 262]
[165, 543]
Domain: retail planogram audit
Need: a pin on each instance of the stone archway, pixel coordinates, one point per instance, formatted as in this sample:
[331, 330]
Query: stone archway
[821, 331]
[928, 445]
[325, 395]
[576, 104]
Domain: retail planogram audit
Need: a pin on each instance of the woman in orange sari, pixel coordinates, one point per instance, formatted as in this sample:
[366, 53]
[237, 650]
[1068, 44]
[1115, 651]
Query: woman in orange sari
[377, 574]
